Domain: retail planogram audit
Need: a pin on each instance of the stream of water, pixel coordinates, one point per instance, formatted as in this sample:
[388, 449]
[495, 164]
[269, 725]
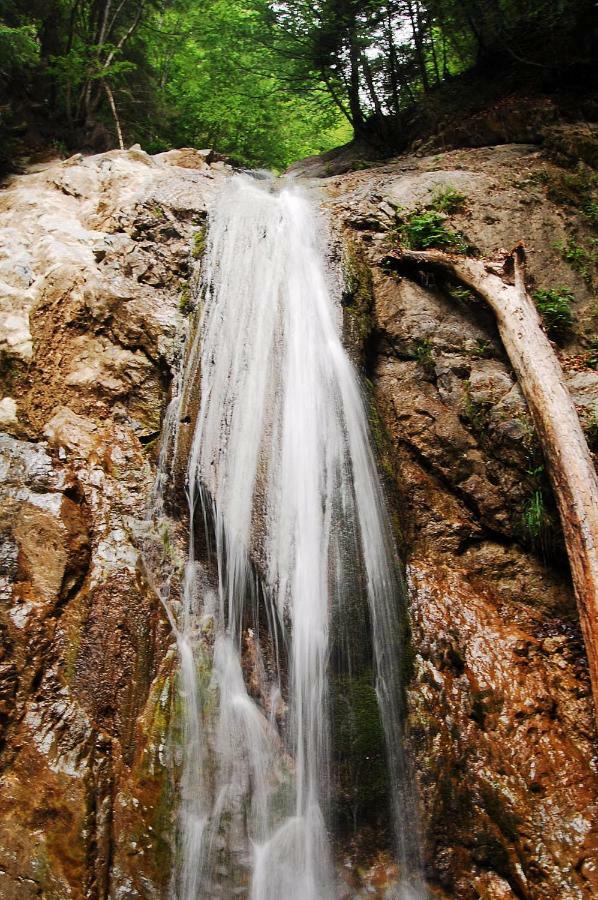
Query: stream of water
[288, 524]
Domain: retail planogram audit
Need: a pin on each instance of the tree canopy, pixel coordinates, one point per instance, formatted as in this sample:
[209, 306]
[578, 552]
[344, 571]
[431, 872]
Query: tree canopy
[266, 82]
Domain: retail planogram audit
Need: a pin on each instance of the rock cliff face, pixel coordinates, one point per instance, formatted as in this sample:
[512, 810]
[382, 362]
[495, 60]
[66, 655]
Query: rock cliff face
[500, 711]
[95, 260]
[94, 268]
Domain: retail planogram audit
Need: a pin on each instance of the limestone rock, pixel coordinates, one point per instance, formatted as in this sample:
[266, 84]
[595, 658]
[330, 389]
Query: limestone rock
[94, 253]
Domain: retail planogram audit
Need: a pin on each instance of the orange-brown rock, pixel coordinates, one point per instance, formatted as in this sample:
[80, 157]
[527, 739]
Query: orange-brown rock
[95, 255]
[93, 262]
[498, 693]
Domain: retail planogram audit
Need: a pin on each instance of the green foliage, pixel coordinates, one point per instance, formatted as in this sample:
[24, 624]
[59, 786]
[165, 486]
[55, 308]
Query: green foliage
[578, 257]
[448, 200]
[423, 230]
[476, 414]
[538, 525]
[263, 82]
[199, 243]
[19, 47]
[423, 354]
[179, 73]
[185, 302]
[589, 208]
[357, 298]
[535, 518]
[554, 305]
[576, 189]
[83, 64]
[222, 85]
[482, 349]
[461, 294]
[592, 354]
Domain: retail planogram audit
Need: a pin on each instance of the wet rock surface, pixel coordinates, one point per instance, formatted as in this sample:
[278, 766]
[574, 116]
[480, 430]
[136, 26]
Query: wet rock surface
[500, 710]
[95, 254]
[95, 263]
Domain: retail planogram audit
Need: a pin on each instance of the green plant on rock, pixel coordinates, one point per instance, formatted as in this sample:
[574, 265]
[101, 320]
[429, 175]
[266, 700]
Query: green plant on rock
[575, 189]
[590, 427]
[578, 257]
[482, 349]
[460, 294]
[199, 243]
[592, 355]
[425, 230]
[357, 742]
[185, 301]
[535, 518]
[448, 200]
[476, 413]
[554, 305]
[589, 209]
[542, 176]
[357, 297]
[424, 355]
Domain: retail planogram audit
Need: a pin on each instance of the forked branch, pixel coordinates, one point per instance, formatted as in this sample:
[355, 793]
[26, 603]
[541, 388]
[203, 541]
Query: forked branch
[568, 460]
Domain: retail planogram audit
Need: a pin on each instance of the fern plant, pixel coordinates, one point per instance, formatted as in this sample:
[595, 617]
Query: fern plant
[554, 305]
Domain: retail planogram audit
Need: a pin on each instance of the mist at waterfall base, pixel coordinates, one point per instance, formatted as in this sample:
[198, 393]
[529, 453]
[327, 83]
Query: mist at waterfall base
[291, 583]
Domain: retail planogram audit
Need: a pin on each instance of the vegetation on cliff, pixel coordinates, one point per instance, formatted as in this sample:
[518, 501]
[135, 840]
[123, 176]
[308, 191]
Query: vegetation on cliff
[264, 82]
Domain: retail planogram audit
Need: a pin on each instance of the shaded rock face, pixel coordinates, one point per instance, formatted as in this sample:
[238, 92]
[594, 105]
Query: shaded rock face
[94, 256]
[499, 703]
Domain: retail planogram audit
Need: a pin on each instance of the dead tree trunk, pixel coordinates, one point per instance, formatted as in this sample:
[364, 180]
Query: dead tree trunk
[563, 442]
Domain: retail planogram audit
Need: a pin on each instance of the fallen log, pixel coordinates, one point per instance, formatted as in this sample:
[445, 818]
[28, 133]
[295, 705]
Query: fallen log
[568, 460]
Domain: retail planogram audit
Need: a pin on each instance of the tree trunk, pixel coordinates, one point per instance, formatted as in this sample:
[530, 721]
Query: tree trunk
[563, 442]
[369, 80]
[415, 20]
[119, 132]
[354, 84]
[392, 62]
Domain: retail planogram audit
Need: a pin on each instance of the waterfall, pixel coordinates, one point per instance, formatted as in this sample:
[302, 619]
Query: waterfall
[288, 526]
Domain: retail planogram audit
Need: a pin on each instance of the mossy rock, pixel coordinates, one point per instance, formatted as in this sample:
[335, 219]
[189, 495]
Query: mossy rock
[357, 300]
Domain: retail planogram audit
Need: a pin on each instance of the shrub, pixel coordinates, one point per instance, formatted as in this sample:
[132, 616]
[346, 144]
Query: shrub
[590, 210]
[554, 305]
[576, 189]
[448, 200]
[423, 230]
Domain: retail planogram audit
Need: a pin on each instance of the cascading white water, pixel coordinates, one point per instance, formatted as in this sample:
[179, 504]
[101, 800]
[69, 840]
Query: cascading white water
[282, 477]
